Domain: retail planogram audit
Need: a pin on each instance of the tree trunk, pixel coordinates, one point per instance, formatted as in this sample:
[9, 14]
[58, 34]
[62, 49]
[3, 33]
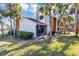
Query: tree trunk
[69, 26]
[50, 29]
[14, 29]
[50, 24]
[58, 26]
[11, 26]
[76, 22]
[64, 23]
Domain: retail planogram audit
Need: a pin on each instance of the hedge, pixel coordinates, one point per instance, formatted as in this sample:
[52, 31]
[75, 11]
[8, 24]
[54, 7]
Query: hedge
[24, 35]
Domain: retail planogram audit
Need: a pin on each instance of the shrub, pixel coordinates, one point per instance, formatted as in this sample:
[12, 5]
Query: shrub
[10, 32]
[24, 35]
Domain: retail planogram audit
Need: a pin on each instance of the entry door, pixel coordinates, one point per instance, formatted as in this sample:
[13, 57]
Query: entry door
[40, 30]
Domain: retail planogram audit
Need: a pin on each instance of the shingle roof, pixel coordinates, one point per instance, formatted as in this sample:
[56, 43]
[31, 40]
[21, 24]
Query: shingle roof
[36, 21]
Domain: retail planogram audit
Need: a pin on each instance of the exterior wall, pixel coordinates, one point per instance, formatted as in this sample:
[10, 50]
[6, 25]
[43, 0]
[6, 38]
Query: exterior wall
[4, 27]
[43, 20]
[27, 25]
[46, 21]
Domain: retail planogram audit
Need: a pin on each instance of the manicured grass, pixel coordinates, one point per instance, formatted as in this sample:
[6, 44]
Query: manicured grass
[65, 45]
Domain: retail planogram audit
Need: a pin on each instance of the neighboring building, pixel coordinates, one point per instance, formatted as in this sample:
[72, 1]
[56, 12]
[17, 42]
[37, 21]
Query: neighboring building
[5, 28]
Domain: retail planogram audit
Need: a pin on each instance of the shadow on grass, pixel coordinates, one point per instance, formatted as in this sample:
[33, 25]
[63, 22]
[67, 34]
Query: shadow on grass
[11, 39]
[68, 39]
[48, 49]
[41, 48]
[71, 43]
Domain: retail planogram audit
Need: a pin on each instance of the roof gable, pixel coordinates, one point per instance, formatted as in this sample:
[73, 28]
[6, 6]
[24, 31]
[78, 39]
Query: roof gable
[35, 21]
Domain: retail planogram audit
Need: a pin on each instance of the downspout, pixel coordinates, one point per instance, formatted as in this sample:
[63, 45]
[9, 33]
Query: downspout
[50, 24]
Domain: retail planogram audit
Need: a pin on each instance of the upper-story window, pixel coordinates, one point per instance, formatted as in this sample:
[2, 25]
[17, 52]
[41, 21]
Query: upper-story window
[41, 17]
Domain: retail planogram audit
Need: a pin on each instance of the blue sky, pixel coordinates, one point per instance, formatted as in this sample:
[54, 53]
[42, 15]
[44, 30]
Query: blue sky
[28, 9]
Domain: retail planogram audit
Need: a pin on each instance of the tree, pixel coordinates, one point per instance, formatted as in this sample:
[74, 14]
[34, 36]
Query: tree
[7, 13]
[14, 11]
[2, 12]
[17, 10]
[69, 20]
[64, 15]
[76, 17]
[58, 9]
[76, 9]
[1, 23]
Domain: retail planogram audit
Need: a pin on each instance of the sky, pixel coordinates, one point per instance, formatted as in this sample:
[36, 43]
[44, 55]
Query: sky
[28, 10]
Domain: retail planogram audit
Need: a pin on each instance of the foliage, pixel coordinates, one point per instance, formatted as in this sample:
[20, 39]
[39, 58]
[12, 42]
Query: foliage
[10, 32]
[70, 18]
[24, 35]
[12, 10]
[44, 8]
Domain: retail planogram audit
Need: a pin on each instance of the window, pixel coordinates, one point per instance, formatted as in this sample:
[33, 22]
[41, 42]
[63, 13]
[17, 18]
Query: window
[41, 17]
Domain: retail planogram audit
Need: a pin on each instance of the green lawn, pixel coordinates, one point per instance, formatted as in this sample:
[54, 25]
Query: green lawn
[66, 45]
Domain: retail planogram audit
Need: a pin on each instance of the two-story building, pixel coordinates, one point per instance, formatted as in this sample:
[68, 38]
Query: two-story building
[39, 24]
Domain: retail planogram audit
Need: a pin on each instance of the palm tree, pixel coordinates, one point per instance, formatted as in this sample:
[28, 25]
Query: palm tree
[14, 11]
[58, 9]
[61, 10]
[17, 10]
